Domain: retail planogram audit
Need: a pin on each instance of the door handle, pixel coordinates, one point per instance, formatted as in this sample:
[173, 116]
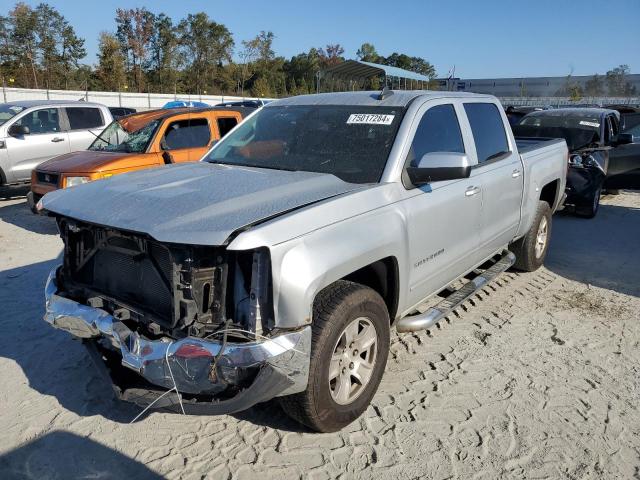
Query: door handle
[516, 173]
[471, 191]
[57, 139]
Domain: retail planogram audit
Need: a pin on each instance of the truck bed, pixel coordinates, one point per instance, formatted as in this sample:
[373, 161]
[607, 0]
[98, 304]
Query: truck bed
[528, 144]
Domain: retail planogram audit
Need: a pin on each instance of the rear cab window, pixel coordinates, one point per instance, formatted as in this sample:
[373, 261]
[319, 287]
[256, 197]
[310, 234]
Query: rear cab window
[488, 131]
[84, 118]
[226, 124]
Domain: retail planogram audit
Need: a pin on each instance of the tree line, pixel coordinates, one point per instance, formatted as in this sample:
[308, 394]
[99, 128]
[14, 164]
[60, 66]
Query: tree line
[151, 52]
[614, 84]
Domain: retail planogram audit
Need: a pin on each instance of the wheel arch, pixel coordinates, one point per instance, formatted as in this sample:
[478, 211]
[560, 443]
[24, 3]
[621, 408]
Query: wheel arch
[549, 194]
[383, 277]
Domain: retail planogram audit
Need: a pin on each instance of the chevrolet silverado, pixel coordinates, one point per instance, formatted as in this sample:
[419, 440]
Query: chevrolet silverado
[277, 265]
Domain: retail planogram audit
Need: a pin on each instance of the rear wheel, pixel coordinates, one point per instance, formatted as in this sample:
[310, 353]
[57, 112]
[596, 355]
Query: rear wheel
[350, 345]
[590, 209]
[531, 249]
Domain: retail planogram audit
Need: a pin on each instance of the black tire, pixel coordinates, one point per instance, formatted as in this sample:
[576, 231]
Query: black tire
[336, 307]
[525, 249]
[590, 210]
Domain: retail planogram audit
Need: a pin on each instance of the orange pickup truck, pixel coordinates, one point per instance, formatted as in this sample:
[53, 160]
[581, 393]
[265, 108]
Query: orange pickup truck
[140, 140]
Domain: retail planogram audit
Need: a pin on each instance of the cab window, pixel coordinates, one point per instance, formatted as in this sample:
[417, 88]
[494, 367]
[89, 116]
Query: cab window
[84, 118]
[488, 132]
[226, 124]
[192, 133]
[438, 131]
[45, 120]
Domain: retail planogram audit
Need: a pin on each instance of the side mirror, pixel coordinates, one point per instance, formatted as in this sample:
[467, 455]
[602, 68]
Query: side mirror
[19, 130]
[439, 166]
[623, 139]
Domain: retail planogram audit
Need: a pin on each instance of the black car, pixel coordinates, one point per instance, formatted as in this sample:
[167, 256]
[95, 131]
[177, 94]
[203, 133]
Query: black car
[118, 112]
[601, 157]
[515, 114]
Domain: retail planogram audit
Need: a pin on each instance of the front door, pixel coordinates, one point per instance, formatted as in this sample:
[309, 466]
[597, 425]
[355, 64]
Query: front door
[186, 139]
[624, 160]
[45, 140]
[443, 217]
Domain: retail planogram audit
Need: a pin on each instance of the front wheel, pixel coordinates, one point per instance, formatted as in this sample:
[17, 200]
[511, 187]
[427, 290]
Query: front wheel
[590, 209]
[531, 249]
[349, 350]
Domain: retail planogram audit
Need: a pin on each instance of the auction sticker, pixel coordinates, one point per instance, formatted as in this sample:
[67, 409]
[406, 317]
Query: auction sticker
[589, 124]
[370, 119]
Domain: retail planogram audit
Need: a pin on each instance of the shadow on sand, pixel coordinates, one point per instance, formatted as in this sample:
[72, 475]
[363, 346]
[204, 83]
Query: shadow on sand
[603, 251]
[20, 215]
[64, 455]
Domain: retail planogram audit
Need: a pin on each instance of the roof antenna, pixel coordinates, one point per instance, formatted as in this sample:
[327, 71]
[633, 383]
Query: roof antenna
[385, 93]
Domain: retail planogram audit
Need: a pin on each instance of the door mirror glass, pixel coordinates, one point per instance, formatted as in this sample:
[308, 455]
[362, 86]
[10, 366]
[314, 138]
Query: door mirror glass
[19, 130]
[439, 166]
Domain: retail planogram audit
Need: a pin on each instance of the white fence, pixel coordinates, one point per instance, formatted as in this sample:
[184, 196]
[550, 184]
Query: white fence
[143, 101]
[139, 101]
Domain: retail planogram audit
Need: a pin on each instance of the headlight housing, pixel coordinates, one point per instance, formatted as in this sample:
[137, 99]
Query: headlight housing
[73, 181]
[575, 160]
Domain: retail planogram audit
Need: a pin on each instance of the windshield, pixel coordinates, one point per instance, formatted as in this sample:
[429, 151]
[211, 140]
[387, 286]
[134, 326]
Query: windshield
[350, 142]
[115, 138]
[9, 111]
[579, 121]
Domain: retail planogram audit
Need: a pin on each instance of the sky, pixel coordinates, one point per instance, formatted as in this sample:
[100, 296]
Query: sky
[482, 39]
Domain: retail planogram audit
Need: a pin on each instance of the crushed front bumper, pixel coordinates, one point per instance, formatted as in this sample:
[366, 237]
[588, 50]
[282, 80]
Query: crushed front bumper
[211, 377]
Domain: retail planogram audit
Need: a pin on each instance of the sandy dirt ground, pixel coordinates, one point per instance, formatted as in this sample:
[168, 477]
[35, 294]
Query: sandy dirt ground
[538, 376]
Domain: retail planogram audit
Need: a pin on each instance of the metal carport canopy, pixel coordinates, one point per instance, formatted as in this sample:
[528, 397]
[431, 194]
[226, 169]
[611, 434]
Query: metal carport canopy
[357, 68]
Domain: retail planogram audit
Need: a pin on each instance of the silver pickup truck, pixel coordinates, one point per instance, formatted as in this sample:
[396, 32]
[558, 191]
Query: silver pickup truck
[277, 265]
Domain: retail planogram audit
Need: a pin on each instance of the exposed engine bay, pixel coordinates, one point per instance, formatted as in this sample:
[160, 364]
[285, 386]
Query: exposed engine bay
[160, 289]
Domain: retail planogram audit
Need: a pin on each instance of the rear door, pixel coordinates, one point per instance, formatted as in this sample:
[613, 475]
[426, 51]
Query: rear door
[45, 140]
[444, 217]
[84, 124]
[500, 173]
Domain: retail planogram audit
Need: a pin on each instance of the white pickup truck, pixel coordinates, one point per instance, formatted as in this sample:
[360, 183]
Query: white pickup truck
[277, 265]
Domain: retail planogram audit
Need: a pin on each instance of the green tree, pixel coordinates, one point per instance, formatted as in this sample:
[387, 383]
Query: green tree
[594, 86]
[367, 53]
[135, 28]
[205, 46]
[164, 60]
[23, 42]
[60, 49]
[617, 83]
[111, 70]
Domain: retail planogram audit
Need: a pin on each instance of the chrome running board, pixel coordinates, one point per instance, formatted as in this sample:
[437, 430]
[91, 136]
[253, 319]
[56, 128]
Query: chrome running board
[428, 319]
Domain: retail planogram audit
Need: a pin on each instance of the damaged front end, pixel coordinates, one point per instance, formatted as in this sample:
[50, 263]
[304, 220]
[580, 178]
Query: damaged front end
[166, 316]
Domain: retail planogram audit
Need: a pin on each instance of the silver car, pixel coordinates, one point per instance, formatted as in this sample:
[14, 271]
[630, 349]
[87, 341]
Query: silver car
[37, 130]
